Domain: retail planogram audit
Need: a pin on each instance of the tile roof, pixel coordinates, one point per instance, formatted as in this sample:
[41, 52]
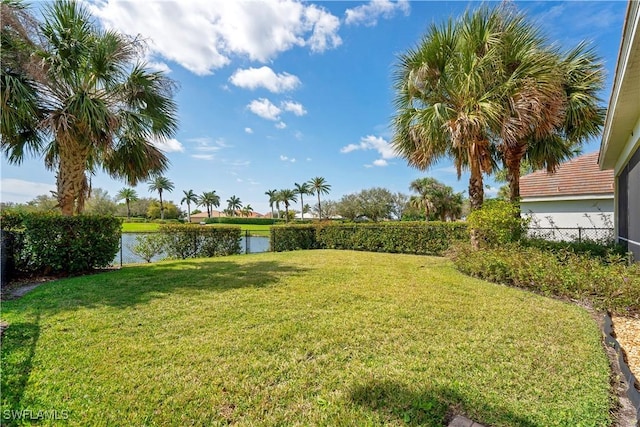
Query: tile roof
[579, 176]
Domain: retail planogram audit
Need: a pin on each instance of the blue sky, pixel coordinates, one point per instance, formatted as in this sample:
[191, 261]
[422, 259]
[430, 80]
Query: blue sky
[277, 92]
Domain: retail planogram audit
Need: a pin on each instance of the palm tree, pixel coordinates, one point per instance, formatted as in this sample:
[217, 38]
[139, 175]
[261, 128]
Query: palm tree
[189, 197]
[302, 189]
[81, 97]
[160, 184]
[319, 186]
[247, 210]
[272, 199]
[233, 205]
[209, 199]
[286, 196]
[449, 101]
[568, 116]
[427, 189]
[128, 195]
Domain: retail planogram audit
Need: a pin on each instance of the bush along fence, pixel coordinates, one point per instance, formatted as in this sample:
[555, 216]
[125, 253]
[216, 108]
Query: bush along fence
[432, 238]
[181, 241]
[36, 243]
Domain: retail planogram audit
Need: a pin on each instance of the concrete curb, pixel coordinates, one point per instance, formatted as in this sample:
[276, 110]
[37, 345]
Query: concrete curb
[632, 392]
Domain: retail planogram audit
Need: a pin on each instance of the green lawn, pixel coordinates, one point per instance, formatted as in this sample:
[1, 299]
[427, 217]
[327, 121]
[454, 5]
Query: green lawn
[301, 338]
[149, 227]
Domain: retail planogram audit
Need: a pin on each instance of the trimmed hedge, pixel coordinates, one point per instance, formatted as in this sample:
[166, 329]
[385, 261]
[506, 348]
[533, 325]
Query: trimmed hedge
[606, 284]
[240, 220]
[47, 243]
[431, 238]
[194, 241]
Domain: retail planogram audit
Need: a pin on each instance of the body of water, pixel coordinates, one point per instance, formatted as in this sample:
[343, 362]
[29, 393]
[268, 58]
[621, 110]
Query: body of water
[253, 244]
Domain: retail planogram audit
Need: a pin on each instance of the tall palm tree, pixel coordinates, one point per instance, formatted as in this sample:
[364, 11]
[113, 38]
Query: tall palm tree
[233, 204]
[427, 189]
[303, 190]
[247, 210]
[449, 102]
[319, 186]
[128, 195]
[81, 97]
[189, 197]
[568, 116]
[286, 196]
[161, 184]
[272, 199]
[209, 199]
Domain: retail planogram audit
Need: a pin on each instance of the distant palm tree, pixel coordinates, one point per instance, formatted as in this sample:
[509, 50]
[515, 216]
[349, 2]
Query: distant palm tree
[160, 184]
[233, 205]
[128, 195]
[426, 189]
[319, 186]
[302, 189]
[247, 210]
[209, 199]
[286, 196]
[189, 197]
[272, 199]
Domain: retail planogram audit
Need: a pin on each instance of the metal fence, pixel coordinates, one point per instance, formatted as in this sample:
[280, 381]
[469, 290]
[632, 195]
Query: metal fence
[575, 234]
[250, 243]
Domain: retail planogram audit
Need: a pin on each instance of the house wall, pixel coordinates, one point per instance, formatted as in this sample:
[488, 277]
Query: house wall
[585, 213]
[628, 202]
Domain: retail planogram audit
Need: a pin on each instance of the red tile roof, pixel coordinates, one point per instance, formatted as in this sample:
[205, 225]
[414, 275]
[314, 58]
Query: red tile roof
[579, 176]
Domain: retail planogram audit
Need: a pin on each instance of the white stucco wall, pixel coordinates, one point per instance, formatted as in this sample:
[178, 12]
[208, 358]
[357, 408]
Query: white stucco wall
[586, 213]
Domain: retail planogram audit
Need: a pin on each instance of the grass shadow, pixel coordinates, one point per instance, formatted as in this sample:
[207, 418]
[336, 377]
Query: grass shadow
[142, 283]
[428, 406]
[16, 360]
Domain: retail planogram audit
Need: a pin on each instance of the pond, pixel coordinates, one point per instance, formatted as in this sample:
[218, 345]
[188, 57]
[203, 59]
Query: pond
[252, 245]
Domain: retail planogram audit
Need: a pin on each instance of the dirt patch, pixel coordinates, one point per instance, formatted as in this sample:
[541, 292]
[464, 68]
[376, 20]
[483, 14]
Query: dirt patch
[627, 332]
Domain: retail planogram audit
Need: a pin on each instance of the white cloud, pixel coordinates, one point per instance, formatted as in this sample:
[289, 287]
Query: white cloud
[371, 142]
[287, 159]
[202, 35]
[248, 130]
[203, 156]
[264, 108]
[380, 162]
[170, 145]
[281, 125]
[368, 14]
[449, 169]
[490, 191]
[294, 107]
[206, 144]
[253, 78]
[21, 191]
[158, 66]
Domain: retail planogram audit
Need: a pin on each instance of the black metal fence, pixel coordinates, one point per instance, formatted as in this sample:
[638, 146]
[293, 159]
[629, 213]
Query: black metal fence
[573, 234]
[254, 241]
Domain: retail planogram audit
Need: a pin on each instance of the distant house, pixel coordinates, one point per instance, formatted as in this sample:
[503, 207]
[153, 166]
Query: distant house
[577, 195]
[621, 137]
[202, 216]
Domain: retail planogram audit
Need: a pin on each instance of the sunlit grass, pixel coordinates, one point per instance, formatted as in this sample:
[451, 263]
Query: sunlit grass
[301, 338]
[150, 227]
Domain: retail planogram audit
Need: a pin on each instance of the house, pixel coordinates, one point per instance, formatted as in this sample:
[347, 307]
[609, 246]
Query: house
[578, 195]
[621, 137]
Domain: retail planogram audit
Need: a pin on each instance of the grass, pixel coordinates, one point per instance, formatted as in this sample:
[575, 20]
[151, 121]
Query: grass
[301, 338]
[150, 227]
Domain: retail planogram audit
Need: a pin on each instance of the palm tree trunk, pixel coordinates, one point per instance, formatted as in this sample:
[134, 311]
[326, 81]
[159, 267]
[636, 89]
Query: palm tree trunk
[71, 179]
[476, 197]
[128, 209]
[161, 205]
[302, 206]
[319, 207]
[513, 159]
[189, 212]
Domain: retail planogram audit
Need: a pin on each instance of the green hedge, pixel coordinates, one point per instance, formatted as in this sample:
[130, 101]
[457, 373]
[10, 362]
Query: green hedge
[46, 243]
[194, 241]
[240, 220]
[431, 238]
[606, 284]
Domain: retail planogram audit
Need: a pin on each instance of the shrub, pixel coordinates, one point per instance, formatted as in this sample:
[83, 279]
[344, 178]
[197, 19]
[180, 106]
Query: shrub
[603, 251]
[293, 237]
[498, 222]
[418, 238]
[51, 243]
[606, 284]
[191, 241]
[240, 220]
[148, 246]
